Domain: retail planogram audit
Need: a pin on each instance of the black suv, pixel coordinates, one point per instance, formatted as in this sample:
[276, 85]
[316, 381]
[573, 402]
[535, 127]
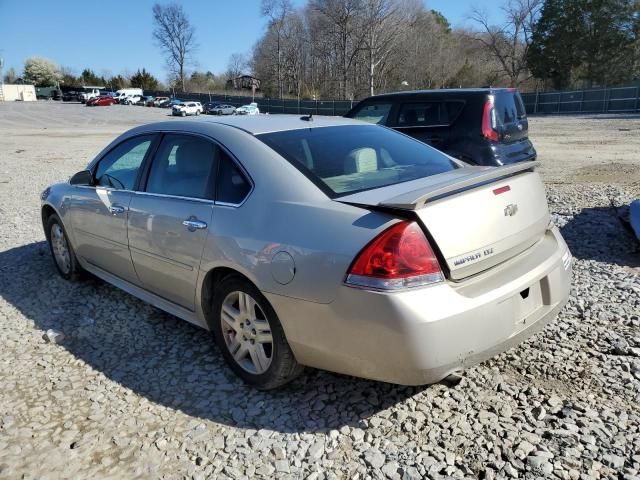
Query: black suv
[481, 126]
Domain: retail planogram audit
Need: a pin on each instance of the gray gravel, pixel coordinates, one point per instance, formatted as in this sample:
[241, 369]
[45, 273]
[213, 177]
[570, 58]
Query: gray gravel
[130, 391]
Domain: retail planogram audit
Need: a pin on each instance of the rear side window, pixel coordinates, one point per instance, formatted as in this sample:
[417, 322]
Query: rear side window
[373, 113]
[233, 185]
[349, 159]
[509, 107]
[424, 114]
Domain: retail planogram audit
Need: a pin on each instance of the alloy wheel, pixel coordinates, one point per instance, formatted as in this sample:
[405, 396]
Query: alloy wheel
[246, 332]
[60, 248]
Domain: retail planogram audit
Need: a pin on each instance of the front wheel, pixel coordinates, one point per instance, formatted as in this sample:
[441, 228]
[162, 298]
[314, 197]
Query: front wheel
[250, 336]
[63, 255]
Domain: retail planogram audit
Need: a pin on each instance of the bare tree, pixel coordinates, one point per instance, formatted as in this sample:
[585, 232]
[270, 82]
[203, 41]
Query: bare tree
[342, 18]
[175, 36]
[382, 23]
[236, 65]
[277, 11]
[508, 43]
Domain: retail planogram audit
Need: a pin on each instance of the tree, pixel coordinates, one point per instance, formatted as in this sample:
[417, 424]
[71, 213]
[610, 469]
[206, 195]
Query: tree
[381, 25]
[10, 76]
[119, 82]
[277, 11]
[592, 40]
[144, 80]
[236, 65]
[88, 77]
[175, 36]
[509, 43]
[42, 72]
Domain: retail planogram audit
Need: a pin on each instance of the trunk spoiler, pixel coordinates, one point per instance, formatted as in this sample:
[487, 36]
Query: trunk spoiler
[415, 199]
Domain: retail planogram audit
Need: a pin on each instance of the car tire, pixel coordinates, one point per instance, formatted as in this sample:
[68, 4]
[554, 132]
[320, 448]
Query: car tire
[197, 112]
[183, 114]
[262, 356]
[64, 257]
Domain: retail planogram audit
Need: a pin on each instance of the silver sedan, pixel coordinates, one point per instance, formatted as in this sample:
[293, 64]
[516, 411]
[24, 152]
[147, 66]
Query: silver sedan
[323, 242]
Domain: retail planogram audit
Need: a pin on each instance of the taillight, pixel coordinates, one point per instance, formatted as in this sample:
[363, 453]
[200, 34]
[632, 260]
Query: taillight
[488, 121]
[400, 257]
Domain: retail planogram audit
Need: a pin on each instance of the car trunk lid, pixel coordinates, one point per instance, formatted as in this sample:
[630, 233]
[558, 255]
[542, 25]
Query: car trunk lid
[478, 217]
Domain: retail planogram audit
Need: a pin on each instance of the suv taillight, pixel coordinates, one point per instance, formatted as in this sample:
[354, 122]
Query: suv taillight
[400, 257]
[489, 121]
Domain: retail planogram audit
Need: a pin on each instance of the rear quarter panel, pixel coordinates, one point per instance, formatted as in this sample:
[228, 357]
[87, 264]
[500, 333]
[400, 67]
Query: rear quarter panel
[286, 212]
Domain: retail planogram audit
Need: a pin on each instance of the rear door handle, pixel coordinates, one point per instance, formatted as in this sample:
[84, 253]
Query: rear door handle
[193, 224]
[116, 209]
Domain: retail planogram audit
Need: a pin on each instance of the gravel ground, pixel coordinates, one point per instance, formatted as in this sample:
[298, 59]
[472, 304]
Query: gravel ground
[131, 392]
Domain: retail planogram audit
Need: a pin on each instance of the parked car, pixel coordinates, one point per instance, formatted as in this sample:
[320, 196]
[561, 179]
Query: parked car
[251, 109]
[316, 241]
[131, 99]
[223, 110]
[187, 108]
[481, 126]
[145, 101]
[170, 103]
[102, 101]
[71, 96]
[123, 93]
[210, 106]
[88, 93]
[158, 100]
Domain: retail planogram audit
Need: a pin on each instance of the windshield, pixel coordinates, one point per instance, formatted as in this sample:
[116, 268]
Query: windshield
[349, 159]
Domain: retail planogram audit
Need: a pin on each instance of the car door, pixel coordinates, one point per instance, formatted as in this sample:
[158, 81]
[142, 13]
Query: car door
[170, 218]
[99, 213]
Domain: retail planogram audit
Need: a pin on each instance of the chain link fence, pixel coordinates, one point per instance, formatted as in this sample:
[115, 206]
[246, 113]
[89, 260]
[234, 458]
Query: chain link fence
[597, 100]
[269, 105]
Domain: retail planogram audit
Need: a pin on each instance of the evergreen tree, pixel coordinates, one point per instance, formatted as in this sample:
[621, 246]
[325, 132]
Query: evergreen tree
[589, 40]
[143, 79]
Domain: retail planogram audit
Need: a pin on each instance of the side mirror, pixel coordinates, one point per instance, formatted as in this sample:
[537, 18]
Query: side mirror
[85, 177]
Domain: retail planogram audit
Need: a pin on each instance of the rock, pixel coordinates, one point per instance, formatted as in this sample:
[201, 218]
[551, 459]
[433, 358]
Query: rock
[53, 336]
[391, 469]
[374, 458]
[316, 451]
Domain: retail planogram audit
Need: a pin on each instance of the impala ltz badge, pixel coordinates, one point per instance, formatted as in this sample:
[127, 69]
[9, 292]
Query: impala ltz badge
[510, 210]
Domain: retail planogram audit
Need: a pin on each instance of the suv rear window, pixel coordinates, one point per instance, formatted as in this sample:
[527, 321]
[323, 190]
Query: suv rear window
[509, 107]
[348, 159]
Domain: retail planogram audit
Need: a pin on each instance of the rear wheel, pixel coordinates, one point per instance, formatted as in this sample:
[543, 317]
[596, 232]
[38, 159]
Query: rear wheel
[197, 112]
[250, 336]
[183, 114]
[61, 250]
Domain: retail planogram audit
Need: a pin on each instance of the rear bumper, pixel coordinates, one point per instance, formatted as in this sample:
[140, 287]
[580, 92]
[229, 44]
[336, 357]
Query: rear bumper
[420, 336]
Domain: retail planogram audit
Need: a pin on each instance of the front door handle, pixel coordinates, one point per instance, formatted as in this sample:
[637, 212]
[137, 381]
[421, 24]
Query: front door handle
[193, 224]
[116, 209]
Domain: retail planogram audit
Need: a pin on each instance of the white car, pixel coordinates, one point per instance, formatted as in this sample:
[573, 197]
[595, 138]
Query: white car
[131, 99]
[187, 108]
[251, 109]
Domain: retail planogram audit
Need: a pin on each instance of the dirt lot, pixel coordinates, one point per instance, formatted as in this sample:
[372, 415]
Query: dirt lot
[135, 393]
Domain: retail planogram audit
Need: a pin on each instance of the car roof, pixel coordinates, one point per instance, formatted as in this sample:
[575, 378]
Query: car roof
[255, 124]
[443, 91]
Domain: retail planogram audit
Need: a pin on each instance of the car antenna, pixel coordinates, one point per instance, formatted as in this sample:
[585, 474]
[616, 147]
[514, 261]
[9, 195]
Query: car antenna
[307, 118]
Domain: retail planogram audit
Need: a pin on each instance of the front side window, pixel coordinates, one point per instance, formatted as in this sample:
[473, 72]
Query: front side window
[347, 159]
[119, 168]
[184, 166]
[373, 113]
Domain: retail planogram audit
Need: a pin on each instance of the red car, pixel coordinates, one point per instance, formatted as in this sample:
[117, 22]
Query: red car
[102, 101]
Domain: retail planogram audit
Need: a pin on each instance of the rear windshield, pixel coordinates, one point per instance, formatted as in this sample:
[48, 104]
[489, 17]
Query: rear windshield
[349, 159]
[509, 107]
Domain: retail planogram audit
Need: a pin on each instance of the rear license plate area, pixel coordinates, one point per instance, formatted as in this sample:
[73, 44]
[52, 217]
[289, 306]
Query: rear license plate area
[527, 301]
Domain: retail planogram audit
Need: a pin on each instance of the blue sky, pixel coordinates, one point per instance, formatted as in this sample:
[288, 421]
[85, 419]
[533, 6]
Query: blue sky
[115, 36]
